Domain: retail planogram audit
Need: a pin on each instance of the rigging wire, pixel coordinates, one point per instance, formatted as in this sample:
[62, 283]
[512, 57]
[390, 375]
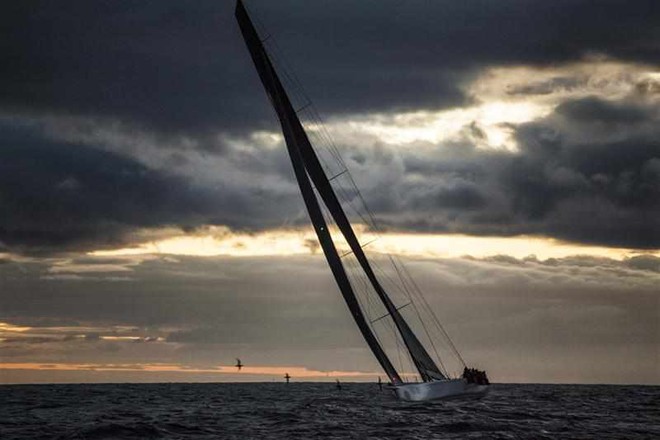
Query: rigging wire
[355, 272]
[433, 315]
[419, 316]
[322, 133]
[404, 290]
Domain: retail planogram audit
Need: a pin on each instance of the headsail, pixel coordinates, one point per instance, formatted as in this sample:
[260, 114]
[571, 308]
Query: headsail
[296, 139]
[422, 360]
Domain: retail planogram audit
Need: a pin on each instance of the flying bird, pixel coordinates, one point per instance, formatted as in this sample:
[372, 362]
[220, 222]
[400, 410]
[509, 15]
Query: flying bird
[239, 365]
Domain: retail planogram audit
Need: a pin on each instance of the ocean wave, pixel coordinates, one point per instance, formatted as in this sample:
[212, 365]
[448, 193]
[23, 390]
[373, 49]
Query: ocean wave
[310, 411]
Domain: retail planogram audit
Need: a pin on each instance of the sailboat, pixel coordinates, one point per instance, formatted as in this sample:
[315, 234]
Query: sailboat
[316, 188]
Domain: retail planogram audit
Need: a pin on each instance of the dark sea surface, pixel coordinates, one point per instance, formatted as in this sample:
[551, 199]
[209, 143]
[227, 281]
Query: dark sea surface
[319, 410]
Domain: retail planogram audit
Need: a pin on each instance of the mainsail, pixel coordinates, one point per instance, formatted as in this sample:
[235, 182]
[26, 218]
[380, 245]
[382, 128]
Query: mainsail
[308, 171]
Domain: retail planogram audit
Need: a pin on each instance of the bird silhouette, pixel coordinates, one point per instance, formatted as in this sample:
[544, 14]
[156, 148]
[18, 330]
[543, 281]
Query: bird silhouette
[239, 365]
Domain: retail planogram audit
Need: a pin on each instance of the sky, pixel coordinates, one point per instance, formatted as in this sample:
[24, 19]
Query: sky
[151, 228]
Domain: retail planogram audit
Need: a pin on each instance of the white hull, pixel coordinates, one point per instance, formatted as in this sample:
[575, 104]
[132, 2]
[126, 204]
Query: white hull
[440, 389]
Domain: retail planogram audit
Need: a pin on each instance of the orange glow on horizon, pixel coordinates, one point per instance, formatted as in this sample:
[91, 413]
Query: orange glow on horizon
[6, 327]
[294, 371]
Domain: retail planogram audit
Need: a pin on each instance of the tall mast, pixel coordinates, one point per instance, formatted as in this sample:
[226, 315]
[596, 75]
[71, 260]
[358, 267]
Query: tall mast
[296, 140]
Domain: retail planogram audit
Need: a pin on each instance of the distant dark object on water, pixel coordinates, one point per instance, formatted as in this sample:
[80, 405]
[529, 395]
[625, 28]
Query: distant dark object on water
[239, 365]
[380, 384]
[472, 375]
[338, 385]
[287, 377]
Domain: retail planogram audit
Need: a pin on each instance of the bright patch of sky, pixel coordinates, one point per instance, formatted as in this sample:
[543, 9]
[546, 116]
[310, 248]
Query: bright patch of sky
[502, 97]
[221, 241]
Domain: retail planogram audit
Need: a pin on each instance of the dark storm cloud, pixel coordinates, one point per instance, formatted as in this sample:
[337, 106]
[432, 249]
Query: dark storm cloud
[165, 66]
[600, 191]
[59, 196]
[55, 194]
[593, 190]
[175, 70]
[172, 66]
[596, 110]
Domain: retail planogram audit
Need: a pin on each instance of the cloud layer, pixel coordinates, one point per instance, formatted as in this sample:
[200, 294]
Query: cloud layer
[525, 319]
[182, 68]
[140, 117]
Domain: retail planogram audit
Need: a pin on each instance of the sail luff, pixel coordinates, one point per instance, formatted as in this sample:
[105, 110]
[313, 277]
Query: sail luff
[291, 128]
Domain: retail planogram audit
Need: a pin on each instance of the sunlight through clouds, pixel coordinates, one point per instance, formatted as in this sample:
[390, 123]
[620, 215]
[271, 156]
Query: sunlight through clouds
[502, 96]
[486, 122]
[221, 241]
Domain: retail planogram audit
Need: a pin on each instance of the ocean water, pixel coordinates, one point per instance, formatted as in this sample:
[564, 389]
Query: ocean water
[319, 410]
